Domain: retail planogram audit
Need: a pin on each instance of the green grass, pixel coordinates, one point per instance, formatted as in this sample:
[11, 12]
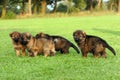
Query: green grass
[71, 66]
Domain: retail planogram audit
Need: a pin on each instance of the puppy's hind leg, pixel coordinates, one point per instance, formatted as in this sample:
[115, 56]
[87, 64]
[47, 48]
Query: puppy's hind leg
[84, 54]
[103, 54]
[95, 54]
[65, 50]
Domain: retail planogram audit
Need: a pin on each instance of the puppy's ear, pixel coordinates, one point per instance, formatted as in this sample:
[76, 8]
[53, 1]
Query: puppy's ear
[10, 34]
[76, 32]
[29, 36]
[84, 34]
[42, 34]
[37, 36]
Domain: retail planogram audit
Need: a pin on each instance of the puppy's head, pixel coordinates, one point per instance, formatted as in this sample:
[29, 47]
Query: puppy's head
[25, 38]
[79, 36]
[15, 36]
[42, 35]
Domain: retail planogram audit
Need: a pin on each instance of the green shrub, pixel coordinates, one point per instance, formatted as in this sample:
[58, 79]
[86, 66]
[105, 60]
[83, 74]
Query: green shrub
[74, 9]
[10, 15]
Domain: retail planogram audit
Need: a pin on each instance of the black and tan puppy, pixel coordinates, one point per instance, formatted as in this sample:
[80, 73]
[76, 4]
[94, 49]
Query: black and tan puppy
[61, 44]
[93, 44]
[16, 39]
[35, 46]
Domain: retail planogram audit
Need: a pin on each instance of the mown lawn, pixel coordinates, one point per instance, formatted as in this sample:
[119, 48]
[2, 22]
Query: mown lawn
[71, 66]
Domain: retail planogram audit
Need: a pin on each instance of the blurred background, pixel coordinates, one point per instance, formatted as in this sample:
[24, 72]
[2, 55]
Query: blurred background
[19, 8]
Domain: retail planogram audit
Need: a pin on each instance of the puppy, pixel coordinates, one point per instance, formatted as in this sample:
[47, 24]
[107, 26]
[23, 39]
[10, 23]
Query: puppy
[35, 46]
[16, 40]
[93, 44]
[61, 44]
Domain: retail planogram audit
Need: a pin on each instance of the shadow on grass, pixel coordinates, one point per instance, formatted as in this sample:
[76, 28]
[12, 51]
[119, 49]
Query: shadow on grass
[108, 31]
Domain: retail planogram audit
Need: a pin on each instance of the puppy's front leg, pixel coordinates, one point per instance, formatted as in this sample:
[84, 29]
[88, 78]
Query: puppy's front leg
[46, 53]
[17, 52]
[23, 52]
[35, 54]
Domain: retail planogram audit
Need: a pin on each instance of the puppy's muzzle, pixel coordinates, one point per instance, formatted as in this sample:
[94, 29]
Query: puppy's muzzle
[16, 39]
[24, 42]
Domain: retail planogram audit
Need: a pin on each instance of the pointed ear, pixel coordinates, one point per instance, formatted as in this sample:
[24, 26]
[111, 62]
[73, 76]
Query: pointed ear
[29, 35]
[37, 36]
[10, 34]
[84, 34]
[40, 34]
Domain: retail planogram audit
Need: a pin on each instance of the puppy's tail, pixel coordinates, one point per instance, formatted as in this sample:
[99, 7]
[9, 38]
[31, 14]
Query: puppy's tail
[109, 47]
[72, 45]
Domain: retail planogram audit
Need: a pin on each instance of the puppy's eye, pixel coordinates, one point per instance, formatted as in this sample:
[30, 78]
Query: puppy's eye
[28, 37]
[81, 36]
[12, 37]
[75, 36]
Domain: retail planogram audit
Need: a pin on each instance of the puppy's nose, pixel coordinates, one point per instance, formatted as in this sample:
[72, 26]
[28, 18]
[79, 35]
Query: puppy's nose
[76, 39]
[16, 39]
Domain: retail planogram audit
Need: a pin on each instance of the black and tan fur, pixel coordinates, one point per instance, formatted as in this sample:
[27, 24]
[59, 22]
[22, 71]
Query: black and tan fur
[16, 40]
[35, 46]
[61, 44]
[93, 44]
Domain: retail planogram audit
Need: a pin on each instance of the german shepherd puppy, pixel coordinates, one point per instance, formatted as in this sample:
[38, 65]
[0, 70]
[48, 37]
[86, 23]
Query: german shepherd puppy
[61, 44]
[16, 40]
[35, 46]
[93, 44]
